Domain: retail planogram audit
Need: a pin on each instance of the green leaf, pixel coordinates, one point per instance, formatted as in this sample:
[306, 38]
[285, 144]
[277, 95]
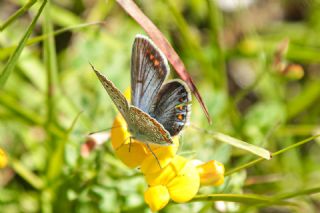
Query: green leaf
[243, 145]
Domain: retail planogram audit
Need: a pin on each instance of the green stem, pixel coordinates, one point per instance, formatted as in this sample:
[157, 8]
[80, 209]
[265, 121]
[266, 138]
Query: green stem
[251, 163]
[252, 199]
[27, 175]
[51, 66]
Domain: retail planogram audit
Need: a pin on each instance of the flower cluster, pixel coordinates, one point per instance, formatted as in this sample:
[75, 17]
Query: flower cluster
[178, 178]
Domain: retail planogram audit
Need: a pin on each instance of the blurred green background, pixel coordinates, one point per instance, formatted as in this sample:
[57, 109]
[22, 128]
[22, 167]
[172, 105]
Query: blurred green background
[253, 88]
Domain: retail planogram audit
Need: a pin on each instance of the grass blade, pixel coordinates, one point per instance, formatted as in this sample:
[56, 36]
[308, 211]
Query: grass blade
[14, 57]
[17, 14]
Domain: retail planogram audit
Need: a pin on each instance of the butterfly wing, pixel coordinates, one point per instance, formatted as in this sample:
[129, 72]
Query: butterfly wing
[146, 129]
[116, 96]
[171, 106]
[149, 68]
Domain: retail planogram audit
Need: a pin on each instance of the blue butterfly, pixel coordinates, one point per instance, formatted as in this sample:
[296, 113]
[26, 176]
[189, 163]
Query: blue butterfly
[158, 110]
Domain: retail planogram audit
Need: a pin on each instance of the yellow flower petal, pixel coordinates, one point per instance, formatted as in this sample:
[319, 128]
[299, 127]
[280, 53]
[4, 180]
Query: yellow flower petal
[211, 173]
[127, 94]
[164, 156]
[186, 185]
[120, 139]
[119, 134]
[3, 159]
[134, 157]
[157, 197]
[166, 174]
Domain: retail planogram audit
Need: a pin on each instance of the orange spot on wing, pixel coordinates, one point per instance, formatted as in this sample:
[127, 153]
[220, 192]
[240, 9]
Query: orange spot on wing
[151, 57]
[156, 62]
[180, 117]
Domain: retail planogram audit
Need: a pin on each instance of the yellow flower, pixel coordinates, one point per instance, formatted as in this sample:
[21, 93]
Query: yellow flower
[137, 153]
[157, 197]
[185, 185]
[178, 178]
[120, 139]
[3, 159]
[165, 175]
[211, 173]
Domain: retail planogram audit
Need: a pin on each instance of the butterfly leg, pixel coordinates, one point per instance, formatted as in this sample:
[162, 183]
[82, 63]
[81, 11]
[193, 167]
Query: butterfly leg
[154, 155]
[123, 143]
[130, 143]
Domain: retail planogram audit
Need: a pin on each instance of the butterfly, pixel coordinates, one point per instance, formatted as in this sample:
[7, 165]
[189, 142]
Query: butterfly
[158, 111]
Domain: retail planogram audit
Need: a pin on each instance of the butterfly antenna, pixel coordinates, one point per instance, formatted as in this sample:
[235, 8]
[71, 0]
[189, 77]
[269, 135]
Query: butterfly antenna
[102, 130]
[154, 155]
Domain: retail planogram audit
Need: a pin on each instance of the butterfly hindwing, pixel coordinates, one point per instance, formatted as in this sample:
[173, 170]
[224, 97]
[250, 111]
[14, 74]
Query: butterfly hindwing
[149, 68]
[117, 97]
[171, 106]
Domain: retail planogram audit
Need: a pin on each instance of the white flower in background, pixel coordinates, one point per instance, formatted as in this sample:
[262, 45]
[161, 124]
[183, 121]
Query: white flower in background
[232, 5]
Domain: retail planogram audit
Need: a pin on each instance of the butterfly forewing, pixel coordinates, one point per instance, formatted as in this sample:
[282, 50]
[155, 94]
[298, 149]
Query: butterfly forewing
[149, 68]
[118, 99]
[171, 106]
